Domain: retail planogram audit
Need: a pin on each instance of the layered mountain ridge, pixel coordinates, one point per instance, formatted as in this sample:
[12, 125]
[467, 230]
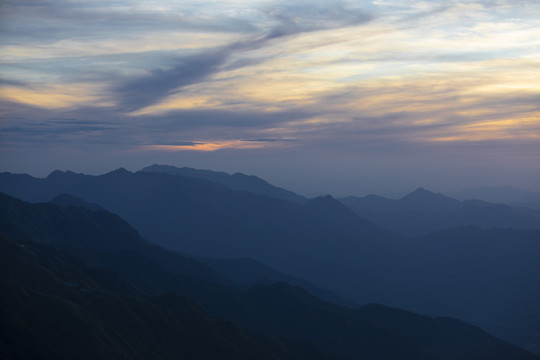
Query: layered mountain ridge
[451, 273]
[422, 211]
[99, 314]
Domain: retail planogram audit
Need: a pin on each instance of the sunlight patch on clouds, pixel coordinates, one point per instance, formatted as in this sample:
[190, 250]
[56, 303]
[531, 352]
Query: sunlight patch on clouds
[442, 65]
[526, 127]
[285, 88]
[179, 102]
[210, 146]
[480, 136]
[53, 96]
[513, 86]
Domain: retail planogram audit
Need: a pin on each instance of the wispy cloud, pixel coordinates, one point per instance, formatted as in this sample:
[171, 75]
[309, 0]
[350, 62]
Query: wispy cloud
[157, 84]
[211, 146]
[247, 76]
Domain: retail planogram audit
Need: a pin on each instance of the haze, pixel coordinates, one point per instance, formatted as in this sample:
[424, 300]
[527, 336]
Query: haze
[341, 97]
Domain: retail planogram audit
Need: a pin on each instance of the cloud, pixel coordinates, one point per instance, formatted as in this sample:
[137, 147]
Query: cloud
[60, 19]
[10, 82]
[146, 90]
[341, 75]
[300, 17]
[50, 96]
[149, 89]
[28, 124]
[209, 146]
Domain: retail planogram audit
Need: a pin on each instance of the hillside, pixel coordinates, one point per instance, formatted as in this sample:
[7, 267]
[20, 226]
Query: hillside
[423, 211]
[236, 181]
[34, 273]
[327, 244]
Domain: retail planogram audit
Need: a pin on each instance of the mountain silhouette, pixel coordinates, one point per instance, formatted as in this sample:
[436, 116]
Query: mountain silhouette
[236, 181]
[433, 334]
[97, 313]
[88, 234]
[62, 309]
[327, 244]
[428, 201]
[423, 211]
[502, 195]
[248, 272]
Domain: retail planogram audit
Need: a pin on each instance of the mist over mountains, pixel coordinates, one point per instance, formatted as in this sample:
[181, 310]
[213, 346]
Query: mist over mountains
[423, 211]
[505, 195]
[84, 296]
[236, 181]
[354, 251]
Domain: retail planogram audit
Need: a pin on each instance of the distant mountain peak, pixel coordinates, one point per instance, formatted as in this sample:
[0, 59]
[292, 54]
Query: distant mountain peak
[236, 181]
[119, 171]
[54, 174]
[425, 200]
[503, 194]
[424, 194]
[420, 191]
[60, 173]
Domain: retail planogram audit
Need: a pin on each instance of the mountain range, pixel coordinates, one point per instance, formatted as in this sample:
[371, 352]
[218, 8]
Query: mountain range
[423, 211]
[452, 272]
[236, 181]
[54, 306]
[63, 269]
[502, 195]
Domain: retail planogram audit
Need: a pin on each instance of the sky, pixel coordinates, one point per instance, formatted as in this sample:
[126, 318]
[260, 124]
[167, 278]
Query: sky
[341, 97]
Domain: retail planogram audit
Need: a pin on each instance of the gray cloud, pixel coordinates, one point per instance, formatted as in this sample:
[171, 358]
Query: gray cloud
[146, 90]
[271, 140]
[149, 89]
[178, 143]
[58, 19]
[348, 150]
[26, 124]
[299, 17]
[4, 81]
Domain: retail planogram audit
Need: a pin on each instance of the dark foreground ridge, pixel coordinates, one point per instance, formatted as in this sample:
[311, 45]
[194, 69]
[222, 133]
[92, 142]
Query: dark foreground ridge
[56, 307]
[451, 272]
[119, 300]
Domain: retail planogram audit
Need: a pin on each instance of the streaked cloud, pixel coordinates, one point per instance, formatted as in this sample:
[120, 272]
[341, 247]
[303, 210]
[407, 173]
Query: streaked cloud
[52, 96]
[180, 76]
[212, 146]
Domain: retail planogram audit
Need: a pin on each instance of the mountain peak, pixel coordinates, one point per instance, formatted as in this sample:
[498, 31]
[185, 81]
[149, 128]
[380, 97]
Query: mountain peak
[429, 201]
[55, 174]
[323, 199]
[119, 171]
[236, 181]
[422, 191]
[419, 194]
[60, 173]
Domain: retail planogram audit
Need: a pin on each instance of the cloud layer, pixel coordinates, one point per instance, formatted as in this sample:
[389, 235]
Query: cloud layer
[338, 77]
